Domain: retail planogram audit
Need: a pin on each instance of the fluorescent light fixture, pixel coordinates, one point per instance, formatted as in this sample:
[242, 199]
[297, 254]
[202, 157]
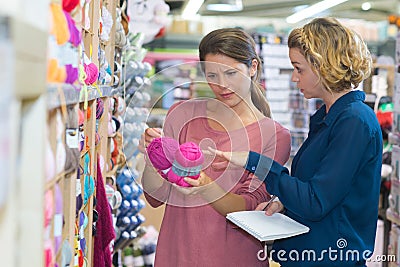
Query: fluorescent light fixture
[366, 6]
[312, 10]
[225, 5]
[191, 8]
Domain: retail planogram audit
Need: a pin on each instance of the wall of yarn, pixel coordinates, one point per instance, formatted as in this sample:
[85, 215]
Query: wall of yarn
[75, 54]
[63, 45]
[91, 187]
[61, 160]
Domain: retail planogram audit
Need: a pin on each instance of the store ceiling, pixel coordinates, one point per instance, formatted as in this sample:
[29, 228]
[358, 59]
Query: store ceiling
[380, 9]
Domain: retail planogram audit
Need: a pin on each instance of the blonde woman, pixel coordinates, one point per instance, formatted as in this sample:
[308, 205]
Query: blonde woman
[335, 176]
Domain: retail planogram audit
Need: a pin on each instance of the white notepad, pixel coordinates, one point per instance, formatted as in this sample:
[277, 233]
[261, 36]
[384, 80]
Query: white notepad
[266, 228]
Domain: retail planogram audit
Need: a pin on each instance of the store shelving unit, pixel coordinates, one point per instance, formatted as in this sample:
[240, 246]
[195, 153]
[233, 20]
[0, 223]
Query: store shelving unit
[392, 237]
[288, 106]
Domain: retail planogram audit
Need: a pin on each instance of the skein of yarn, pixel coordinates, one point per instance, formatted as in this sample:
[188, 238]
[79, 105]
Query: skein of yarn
[75, 35]
[92, 73]
[59, 25]
[72, 74]
[188, 163]
[69, 5]
[99, 108]
[161, 152]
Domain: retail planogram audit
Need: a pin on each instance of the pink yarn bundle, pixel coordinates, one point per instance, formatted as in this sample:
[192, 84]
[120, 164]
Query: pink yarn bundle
[174, 161]
[69, 5]
[188, 163]
[92, 73]
[161, 152]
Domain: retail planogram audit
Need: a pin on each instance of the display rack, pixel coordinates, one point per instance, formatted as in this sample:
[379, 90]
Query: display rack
[393, 211]
[288, 105]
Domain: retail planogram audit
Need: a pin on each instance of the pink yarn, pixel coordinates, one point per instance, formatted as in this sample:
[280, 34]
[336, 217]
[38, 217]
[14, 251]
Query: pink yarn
[69, 5]
[187, 163]
[92, 73]
[161, 152]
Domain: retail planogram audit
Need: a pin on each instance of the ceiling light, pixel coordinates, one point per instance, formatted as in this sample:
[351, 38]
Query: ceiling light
[312, 10]
[191, 8]
[366, 6]
[225, 5]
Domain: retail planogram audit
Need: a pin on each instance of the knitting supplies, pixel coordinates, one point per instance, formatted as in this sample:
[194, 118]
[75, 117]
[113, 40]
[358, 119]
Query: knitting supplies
[92, 73]
[107, 24]
[72, 74]
[69, 5]
[59, 26]
[99, 108]
[75, 35]
[161, 152]
[188, 163]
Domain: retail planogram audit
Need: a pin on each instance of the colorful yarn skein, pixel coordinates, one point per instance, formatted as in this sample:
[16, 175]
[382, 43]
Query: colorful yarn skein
[69, 5]
[174, 161]
[75, 35]
[92, 73]
[188, 163]
[99, 108]
[161, 152]
[72, 74]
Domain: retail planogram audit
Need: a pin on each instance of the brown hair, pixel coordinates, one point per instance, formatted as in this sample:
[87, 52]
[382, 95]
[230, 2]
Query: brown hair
[239, 45]
[337, 54]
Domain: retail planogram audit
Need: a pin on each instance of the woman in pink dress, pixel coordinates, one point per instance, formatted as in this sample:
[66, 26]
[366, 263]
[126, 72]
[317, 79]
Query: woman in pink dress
[194, 230]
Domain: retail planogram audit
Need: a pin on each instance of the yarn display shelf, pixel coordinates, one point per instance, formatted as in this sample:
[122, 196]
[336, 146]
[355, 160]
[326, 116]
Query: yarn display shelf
[71, 94]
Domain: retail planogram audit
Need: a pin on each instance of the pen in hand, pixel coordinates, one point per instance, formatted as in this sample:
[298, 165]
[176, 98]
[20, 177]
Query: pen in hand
[273, 197]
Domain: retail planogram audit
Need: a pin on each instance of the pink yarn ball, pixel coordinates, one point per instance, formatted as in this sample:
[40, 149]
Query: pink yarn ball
[188, 163]
[161, 152]
[92, 73]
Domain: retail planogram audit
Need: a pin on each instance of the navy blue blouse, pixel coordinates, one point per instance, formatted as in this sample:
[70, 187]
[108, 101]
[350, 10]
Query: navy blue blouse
[333, 187]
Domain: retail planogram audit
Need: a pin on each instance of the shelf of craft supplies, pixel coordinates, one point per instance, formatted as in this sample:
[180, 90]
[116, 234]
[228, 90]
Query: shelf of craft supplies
[72, 94]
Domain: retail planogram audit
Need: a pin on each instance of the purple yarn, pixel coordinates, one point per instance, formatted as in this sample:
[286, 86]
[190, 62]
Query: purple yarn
[75, 35]
[72, 74]
[161, 152]
[99, 108]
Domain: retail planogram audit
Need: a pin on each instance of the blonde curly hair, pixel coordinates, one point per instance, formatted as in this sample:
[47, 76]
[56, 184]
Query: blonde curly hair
[336, 54]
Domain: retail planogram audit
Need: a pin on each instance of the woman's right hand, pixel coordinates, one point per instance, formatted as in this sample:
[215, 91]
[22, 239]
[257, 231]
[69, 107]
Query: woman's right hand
[148, 136]
[275, 207]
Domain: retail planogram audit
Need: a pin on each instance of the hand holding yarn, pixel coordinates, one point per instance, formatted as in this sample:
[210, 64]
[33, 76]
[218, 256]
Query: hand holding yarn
[147, 137]
[188, 163]
[174, 161]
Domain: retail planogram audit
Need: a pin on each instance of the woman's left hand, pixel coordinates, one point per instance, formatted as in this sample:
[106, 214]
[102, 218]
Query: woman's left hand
[203, 179]
[197, 184]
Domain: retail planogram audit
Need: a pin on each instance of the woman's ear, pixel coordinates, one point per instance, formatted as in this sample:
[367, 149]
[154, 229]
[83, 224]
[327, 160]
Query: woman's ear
[253, 67]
